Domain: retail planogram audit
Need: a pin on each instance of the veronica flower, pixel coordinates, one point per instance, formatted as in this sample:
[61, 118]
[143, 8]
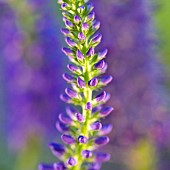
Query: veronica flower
[82, 129]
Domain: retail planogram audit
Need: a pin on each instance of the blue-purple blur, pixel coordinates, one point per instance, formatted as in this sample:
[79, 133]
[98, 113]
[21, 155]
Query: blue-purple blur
[31, 68]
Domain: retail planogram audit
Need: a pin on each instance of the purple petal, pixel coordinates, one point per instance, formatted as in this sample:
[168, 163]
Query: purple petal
[65, 98]
[70, 42]
[94, 166]
[64, 119]
[67, 139]
[65, 31]
[102, 140]
[64, 6]
[81, 36]
[90, 52]
[102, 54]
[102, 157]
[106, 111]
[101, 96]
[61, 127]
[96, 25]
[100, 65]
[97, 38]
[59, 166]
[77, 19]
[93, 82]
[106, 80]
[106, 129]
[79, 117]
[79, 55]
[45, 167]
[67, 51]
[71, 161]
[91, 16]
[81, 83]
[73, 68]
[71, 93]
[57, 149]
[88, 106]
[85, 26]
[71, 111]
[82, 139]
[86, 154]
[96, 126]
[69, 78]
[68, 24]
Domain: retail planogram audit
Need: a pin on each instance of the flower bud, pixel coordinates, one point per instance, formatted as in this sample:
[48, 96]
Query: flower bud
[93, 82]
[69, 24]
[85, 26]
[67, 51]
[106, 111]
[61, 127]
[57, 149]
[67, 139]
[100, 65]
[65, 98]
[65, 31]
[64, 119]
[102, 157]
[86, 153]
[64, 6]
[71, 161]
[73, 68]
[96, 25]
[96, 126]
[81, 83]
[81, 36]
[59, 166]
[91, 16]
[71, 93]
[45, 167]
[106, 129]
[70, 42]
[79, 117]
[79, 55]
[102, 54]
[105, 80]
[82, 139]
[97, 39]
[100, 97]
[88, 106]
[69, 78]
[77, 19]
[90, 52]
[101, 140]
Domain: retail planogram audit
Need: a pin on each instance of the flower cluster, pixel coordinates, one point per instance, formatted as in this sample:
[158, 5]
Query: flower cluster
[83, 132]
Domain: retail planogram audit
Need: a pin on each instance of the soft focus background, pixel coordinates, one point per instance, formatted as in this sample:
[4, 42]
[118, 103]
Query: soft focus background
[137, 34]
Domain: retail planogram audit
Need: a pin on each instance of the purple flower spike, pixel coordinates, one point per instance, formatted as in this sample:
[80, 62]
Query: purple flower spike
[59, 166]
[106, 111]
[77, 19]
[71, 93]
[67, 139]
[82, 139]
[70, 42]
[90, 52]
[96, 126]
[85, 26]
[65, 31]
[71, 161]
[79, 117]
[67, 51]
[102, 140]
[102, 157]
[106, 129]
[68, 24]
[81, 36]
[72, 68]
[67, 77]
[86, 154]
[97, 38]
[79, 55]
[88, 106]
[45, 167]
[64, 119]
[100, 65]
[61, 127]
[65, 98]
[81, 83]
[101, 96]
[91, 16]
[106, 80]
[96, 25]
[57, 149]
[93, 82]
[102, 54]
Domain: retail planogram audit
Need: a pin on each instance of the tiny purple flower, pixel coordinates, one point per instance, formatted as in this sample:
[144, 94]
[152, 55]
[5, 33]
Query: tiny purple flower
[101, 96]
[57, 149]
[93, 82]
[103, 140]
[81, 36]
[79, 117]
[86, 154]
[82, 139]
[71, 93]
[71, 161]
[100, 65]
[105, 80]
[67, 51]
[85, 26]
[96, 126]
[102, 157]
[81, 83]
[70, 42]
[67, 139]
[65, 31]
[79, 55]
[77, 19]
[105, 111]
[90, 52]
[88, 106]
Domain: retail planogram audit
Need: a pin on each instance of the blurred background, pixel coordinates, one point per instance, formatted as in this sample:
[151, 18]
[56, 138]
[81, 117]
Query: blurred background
[137, 34]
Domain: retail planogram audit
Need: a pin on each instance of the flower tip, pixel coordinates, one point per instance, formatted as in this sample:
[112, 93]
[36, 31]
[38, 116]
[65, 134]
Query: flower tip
[71, 161]
[67, 139]
[102, 140]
